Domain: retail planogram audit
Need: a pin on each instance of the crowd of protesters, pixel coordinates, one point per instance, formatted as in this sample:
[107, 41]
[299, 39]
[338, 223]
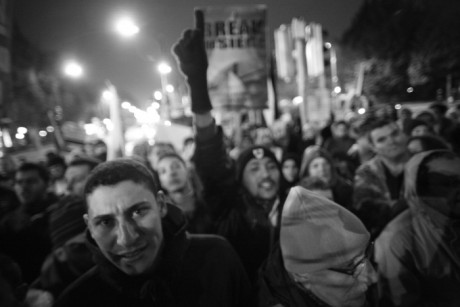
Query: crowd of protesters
[364, 212]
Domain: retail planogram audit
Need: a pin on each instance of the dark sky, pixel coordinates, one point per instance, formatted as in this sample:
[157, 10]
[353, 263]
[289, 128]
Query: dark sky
[82, 29]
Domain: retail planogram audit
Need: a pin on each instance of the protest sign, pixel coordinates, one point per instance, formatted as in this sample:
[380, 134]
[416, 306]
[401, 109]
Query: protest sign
[236, 44]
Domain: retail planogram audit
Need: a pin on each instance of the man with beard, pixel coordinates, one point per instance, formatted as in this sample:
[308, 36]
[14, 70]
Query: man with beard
[143, 255]
[418, 253]
[378, 182]
[245, 201]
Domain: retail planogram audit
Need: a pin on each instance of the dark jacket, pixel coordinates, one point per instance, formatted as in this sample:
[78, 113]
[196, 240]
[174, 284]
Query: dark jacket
[193, 270]
[250, 226]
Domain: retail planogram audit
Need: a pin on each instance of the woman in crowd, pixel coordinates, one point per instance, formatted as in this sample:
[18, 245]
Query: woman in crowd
[290, 168]
[316, 162]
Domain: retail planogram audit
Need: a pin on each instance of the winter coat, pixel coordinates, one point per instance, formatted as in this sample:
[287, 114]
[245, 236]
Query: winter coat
[371, 197]
[248, 224]
[193, 270]
[418, 253]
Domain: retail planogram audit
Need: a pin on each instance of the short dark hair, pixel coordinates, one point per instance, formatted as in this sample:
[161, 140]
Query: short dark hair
[371, 123]
[31, 167]
[90, 162]
[164, 144]
[115, 171]
[172, 155]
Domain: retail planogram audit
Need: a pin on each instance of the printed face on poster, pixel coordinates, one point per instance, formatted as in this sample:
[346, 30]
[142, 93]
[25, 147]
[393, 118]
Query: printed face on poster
[236, 43]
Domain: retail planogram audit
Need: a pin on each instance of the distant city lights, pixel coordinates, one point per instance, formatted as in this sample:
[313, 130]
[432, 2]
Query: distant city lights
[125, 105]
[158, 95]
[169, 88]
[398, 106]
[50, 129]
[19, 136]
[297, 100]
[361, 111]
[42, 133]
[164, 68]
[410, 89]
[22, 130]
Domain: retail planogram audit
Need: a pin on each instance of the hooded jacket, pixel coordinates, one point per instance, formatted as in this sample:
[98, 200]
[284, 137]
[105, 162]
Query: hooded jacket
[192, 270]
[316, 234]
[418, 253]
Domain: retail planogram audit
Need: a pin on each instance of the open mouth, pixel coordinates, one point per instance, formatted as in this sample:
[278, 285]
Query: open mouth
[132, 255]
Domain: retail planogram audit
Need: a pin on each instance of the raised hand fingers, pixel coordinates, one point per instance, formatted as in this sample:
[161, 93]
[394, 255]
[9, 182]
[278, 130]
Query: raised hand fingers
[199, 20]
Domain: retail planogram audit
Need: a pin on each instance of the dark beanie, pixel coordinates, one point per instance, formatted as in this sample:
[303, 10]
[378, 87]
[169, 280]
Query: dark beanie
[66, 220]
[254, 152]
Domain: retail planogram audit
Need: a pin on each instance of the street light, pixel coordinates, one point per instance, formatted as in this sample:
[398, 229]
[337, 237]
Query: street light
[169, 88]
[73, 69]
[126, 27]
[164, 68]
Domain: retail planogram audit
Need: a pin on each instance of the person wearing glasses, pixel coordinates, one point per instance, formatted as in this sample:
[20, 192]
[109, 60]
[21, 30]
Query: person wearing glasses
[323, 258]
[418, 253]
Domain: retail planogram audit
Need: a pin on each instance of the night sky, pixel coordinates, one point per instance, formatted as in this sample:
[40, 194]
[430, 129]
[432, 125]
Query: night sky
[82, 29]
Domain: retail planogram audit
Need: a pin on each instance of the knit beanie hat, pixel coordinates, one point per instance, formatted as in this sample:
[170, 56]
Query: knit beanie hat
[253, 152]
[66, 220]
[318, 234]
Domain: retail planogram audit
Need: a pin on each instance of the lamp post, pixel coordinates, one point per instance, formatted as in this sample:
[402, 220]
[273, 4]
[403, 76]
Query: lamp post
[164, 69]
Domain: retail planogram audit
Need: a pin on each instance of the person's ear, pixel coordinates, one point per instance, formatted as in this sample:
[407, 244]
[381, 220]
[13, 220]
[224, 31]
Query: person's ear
[60, 254]
[162, 203]
[88, 225]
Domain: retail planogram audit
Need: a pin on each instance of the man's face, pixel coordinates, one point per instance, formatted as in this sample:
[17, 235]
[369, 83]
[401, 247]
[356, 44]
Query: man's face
[125, 221]
[261, 178]
[290, 170]
[388, 141]
[173, 174]
[320, 167]
[30, 187]
[75, 177]
[57, 171]
[443, 182]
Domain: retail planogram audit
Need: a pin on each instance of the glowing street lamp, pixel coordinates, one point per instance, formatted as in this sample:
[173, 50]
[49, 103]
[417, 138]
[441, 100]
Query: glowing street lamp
[164, 68]
[158, 95]
[169, 88]
[73, 69]
[126, 27]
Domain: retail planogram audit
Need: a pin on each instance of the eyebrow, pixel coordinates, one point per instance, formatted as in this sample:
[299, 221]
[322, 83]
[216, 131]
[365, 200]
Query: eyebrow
[126, 211]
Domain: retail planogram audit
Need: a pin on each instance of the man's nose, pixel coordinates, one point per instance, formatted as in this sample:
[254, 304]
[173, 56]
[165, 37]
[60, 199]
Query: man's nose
[126, 233]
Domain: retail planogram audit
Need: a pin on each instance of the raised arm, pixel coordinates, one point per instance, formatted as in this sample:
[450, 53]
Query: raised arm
[191, 56]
